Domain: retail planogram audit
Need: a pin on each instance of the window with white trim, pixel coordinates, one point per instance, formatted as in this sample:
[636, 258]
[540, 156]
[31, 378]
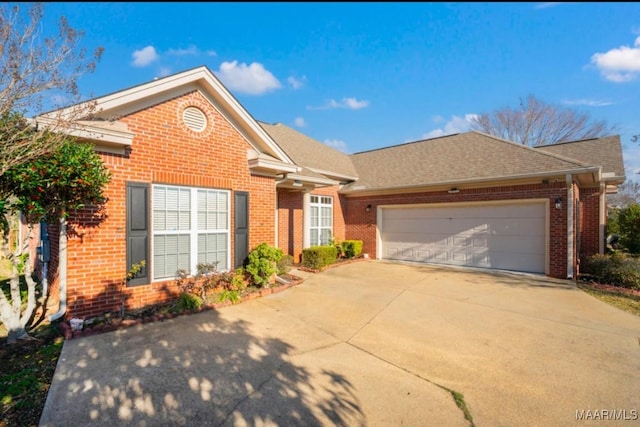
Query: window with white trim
[190, 226]
[321, 220]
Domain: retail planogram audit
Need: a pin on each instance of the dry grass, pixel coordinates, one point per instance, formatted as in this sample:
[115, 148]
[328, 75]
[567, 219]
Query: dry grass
[620, 299]
[5, 268]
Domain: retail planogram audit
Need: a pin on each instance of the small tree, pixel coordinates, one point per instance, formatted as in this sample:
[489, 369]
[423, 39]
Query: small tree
[629, 227]
[34, 70]
[535, 122]
[49, 187]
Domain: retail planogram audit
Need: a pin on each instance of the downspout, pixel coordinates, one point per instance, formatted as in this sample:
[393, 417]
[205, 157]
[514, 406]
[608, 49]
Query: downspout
[570, 232]
[602, 215]
[62, 268]
[277, 214]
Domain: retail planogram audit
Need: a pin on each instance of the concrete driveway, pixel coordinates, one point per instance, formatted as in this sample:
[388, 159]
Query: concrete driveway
[370, 343]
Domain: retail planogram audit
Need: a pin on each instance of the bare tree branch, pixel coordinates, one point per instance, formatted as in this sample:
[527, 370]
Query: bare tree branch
[38, 71]
[536, 123]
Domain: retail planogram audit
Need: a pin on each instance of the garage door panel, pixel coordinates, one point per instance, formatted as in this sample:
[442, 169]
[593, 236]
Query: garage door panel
[511, 237]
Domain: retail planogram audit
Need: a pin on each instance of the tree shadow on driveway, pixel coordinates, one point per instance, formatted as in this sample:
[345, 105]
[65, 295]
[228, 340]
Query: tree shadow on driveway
[193, 370]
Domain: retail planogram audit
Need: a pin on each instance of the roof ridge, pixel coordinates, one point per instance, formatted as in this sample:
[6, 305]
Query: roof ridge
[532, 149]
[553, 144]
[408, 143]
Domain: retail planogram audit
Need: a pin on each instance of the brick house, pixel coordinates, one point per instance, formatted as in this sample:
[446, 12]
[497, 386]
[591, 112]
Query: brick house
[196, 178]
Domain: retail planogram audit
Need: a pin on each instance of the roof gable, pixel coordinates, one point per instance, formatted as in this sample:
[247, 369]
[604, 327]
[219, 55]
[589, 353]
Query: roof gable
[127, 101]
[465, 157]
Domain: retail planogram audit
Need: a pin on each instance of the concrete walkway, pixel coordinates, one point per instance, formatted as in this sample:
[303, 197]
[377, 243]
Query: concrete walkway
[366, 344]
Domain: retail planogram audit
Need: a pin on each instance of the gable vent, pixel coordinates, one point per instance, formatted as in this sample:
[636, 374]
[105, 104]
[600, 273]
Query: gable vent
[194, 119]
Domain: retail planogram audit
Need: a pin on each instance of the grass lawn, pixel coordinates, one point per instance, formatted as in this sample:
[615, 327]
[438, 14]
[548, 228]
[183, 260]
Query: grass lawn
[27, 370]
[623, 300]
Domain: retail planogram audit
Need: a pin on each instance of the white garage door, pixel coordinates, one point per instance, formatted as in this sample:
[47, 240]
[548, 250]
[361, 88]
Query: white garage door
[508, 237]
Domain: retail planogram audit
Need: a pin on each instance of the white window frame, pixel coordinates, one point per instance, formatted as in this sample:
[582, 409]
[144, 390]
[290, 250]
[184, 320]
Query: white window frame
[193, 230]
[319, 202]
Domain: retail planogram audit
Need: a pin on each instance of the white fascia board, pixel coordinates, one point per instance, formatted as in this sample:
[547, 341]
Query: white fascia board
[334, 174]
[85, 131]
[311, 179]
[274, 166]
[361, 189]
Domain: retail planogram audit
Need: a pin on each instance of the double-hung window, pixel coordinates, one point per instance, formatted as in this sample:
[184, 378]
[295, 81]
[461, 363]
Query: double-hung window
[321, 220]
[190, 226]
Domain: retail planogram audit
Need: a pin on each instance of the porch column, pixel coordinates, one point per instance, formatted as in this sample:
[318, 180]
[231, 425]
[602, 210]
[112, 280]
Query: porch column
[306, 220]
[570, 232]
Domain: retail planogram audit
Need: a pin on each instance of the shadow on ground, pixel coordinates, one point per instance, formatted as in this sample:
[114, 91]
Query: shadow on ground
[212, 372]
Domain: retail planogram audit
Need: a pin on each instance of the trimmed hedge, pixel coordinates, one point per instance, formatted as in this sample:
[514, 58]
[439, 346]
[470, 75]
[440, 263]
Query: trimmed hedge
[351, 248]
[616, 269]
[317, 257]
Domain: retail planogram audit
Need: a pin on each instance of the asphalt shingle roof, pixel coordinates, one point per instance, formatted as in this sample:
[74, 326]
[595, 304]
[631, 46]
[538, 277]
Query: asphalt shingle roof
[605, 152]
[469, 156]
[309, 153]
[449, 159]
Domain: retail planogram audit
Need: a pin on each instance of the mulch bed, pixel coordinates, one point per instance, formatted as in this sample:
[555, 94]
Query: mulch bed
[609, 288]
[113, 322]
[336, 264]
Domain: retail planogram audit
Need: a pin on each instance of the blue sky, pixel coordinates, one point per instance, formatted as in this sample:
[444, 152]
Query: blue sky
[359, 76]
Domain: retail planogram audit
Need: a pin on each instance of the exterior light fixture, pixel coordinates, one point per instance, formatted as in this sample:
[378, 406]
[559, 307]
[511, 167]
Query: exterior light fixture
[297, 183]
[559, 203]
[369, 208]
[453, 191]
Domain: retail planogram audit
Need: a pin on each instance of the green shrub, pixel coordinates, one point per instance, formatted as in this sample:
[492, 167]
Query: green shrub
[227, 295]
[616, 269]
[238, 282]
[317, 257]
[285, 264]
[351, 248]
[263, 263]
[188, 302]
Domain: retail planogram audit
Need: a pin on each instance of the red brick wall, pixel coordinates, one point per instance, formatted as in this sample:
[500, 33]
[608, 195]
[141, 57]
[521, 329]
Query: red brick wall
[290, 223]
[589, 222]
[361, 224]
[163, 151]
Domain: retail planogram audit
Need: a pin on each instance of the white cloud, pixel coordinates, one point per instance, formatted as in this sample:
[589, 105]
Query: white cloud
[299, 122]
[296, 83]
[192, 50]
[620, 64]
[164, 71]
[587, 102]
[350, 103]
[547, 4]
[144, 56]
[251, 79]
[455, 125]
[149, 54]
[337, 144]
